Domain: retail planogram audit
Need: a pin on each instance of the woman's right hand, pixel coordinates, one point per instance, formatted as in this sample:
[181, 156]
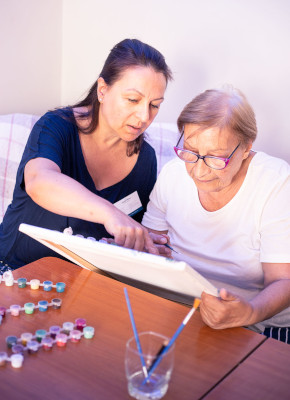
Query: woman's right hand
[128, 233]
[161, 240]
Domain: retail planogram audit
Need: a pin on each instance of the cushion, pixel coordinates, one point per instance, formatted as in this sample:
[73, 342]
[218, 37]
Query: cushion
[162, 137]
[14, 131]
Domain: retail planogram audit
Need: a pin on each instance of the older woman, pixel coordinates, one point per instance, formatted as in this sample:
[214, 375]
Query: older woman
[226, 209]
[86, 166]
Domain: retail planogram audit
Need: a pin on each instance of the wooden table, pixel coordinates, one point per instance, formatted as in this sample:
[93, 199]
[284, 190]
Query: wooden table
[265, 374]
[94, 369]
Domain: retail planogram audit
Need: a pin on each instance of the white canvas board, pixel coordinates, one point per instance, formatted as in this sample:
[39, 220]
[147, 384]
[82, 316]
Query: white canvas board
[176, 276]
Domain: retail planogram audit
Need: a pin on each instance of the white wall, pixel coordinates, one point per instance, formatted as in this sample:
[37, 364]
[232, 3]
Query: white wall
[206, 43]
[30, 55]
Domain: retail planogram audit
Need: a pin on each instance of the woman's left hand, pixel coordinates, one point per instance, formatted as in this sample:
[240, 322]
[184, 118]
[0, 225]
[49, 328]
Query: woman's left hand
[225, 311]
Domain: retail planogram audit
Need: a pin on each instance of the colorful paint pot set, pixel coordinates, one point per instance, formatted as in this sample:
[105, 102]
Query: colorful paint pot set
[29, 308]
[34, 284]
[46, 339]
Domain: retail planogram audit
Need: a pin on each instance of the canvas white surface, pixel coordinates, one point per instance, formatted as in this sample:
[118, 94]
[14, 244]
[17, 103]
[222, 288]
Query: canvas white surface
[176, 276]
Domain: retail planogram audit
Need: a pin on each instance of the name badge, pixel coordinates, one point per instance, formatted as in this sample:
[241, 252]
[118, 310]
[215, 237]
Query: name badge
[130, 204]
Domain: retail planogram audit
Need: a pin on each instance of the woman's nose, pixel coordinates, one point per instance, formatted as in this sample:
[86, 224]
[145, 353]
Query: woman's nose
[143, 113]
[200, 168]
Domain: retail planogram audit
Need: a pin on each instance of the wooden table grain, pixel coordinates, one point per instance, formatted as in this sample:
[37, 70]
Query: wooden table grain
[94, 369]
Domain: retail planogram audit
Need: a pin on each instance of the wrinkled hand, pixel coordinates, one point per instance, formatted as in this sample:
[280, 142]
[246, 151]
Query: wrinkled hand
[129, 233]
[226, 311]
[159, 241]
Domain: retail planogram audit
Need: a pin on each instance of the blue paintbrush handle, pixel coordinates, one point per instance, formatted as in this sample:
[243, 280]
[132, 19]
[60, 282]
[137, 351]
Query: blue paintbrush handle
[135, 333]
[172, 340]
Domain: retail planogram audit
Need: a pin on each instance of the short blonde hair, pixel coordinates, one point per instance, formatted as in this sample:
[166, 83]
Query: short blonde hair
[225, 108]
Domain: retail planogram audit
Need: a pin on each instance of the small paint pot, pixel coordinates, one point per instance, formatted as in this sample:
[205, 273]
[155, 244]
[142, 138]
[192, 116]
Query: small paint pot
[60, 286]
[61, 339]
[8, 278]
[17, 348]
[34, 284]
[29, 308]
[42, 305]
[32, 346]
[75, 336]
[26, 337]
[3, 358]
[40, 334]
[67, 327]
[88, 332]
[10, 341]
[7, 275]
[80, 323]
[56, 303]
[91, 238]
[16, 360]
[21, 282]
[47, 286]
[47, 343]
[2, 311]
[54, 330]
[9, 282]
[15, 310]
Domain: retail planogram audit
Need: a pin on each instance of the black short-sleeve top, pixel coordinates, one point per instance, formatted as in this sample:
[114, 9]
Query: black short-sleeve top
[55, 137]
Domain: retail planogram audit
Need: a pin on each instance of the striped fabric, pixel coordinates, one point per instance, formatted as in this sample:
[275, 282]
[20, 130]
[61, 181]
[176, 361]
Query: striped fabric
[14, 131]
[281, 334]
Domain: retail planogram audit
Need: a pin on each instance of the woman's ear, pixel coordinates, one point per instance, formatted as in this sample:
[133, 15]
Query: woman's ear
[102, 87]
[247, 150]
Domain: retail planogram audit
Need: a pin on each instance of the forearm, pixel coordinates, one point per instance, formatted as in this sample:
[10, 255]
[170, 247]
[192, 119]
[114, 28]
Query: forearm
[63, 195]
[270, 301]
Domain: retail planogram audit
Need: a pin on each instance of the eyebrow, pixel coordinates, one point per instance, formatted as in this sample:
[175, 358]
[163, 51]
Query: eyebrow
[141, 94]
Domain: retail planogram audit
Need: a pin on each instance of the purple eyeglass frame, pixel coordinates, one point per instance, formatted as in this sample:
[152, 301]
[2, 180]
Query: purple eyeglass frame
[225, 160]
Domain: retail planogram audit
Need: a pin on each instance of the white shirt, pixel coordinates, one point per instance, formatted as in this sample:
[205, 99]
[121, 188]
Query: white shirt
[227, 246]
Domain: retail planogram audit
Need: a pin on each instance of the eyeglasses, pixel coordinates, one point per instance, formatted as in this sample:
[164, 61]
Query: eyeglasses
[211, 161]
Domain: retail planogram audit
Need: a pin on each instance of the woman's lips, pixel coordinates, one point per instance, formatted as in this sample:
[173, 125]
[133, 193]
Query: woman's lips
[203, 180]
[135, 129]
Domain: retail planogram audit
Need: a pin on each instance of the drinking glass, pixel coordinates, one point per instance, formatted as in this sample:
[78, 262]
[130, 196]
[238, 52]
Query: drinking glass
[155, 385]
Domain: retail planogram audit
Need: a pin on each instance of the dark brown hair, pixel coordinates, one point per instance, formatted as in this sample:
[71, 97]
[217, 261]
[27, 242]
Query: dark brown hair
[126, 54]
